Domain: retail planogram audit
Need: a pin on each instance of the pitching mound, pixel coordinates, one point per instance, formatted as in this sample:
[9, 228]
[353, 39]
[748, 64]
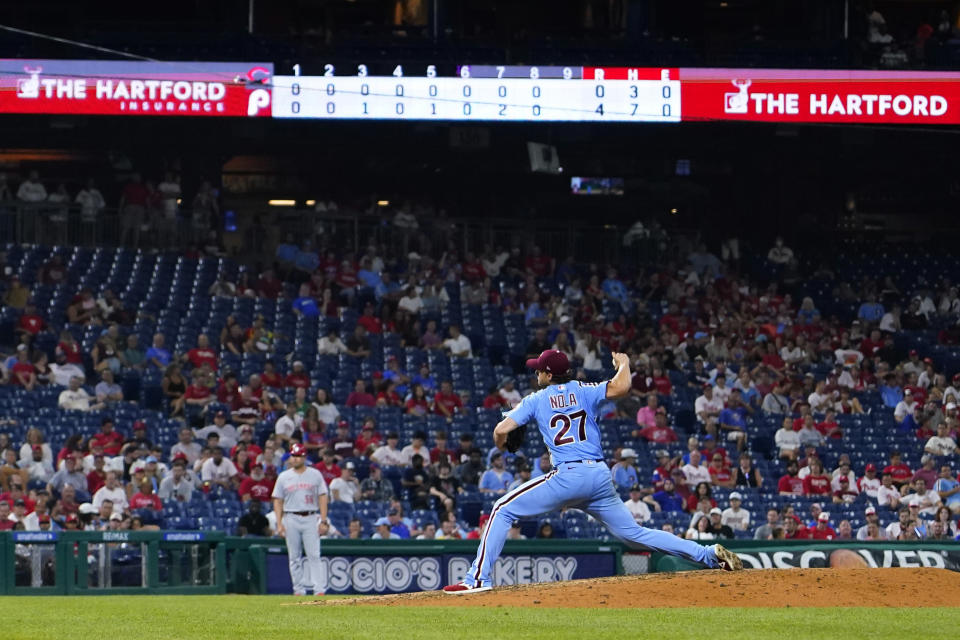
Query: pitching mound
[759, 588]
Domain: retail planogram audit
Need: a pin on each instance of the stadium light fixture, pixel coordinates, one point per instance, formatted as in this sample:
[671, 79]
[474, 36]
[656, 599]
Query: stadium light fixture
[310, 203]
[383, 203]
[282, 203]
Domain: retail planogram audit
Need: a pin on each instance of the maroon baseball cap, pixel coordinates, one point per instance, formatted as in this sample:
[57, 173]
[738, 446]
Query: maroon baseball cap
[297, 449]
[551, 361]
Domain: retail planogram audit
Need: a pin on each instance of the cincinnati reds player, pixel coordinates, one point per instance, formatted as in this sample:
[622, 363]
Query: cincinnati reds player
[299, 493]
[565, 412]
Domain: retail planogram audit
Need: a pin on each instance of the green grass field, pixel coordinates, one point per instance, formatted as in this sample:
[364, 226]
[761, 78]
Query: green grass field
[260, 617]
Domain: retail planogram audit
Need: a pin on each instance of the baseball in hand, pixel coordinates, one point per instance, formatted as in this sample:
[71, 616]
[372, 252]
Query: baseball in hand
[620, 360]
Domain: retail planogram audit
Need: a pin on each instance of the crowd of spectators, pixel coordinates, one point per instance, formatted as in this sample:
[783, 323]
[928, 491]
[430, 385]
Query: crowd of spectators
[148, 211]
[714, 352]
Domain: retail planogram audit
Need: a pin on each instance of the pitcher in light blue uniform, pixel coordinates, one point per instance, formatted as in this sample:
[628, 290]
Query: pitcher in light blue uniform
[566, 413]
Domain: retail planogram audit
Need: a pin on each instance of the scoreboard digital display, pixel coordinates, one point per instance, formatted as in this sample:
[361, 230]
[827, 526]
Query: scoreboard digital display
[475, 93]
[619, 94]
[479, 93]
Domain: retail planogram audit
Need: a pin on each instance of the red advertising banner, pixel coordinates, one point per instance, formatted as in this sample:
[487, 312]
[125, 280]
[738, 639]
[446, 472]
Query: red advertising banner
[136, 88]
[784, 95]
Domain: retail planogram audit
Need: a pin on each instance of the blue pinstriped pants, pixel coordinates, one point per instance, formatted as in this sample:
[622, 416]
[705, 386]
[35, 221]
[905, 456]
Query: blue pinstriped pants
[581, 485]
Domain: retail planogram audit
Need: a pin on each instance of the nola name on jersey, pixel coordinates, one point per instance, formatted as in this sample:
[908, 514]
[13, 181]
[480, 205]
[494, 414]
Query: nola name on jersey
[563, 400]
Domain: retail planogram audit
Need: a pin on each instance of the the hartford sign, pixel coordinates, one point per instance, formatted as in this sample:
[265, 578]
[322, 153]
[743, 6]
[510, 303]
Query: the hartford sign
[781, 95]
[135, 88]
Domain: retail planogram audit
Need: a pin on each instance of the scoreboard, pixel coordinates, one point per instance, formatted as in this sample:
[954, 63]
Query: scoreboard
[483, 92]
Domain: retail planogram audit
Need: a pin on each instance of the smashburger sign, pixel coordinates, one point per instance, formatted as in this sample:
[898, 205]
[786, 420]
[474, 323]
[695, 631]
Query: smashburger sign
[778, 95]
[135, 88]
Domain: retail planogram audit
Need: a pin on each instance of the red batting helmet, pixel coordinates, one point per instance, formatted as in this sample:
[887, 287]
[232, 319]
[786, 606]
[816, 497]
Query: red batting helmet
[297, 449]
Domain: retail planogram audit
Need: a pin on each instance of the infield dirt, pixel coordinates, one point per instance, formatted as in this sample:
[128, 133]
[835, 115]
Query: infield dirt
[758, 588]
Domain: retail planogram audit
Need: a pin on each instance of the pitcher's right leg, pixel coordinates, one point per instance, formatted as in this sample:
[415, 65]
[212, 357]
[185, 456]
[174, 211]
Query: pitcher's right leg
[611, 511]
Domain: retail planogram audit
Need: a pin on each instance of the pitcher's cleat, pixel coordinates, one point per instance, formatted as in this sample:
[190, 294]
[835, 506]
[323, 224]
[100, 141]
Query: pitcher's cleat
[729, 561]
[460, 589]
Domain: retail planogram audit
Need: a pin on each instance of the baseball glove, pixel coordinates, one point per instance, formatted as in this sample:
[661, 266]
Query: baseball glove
[516, 438]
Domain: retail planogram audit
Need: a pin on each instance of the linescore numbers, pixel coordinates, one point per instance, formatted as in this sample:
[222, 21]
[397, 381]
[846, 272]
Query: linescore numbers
[476, 93]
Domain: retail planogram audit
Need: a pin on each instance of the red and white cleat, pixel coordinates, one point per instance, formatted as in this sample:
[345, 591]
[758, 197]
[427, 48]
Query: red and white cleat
[460, 589]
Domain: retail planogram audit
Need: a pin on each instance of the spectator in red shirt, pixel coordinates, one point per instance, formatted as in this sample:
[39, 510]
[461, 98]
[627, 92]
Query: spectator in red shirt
[703, 491]
[446, 401]
[269, 285]
[298, 377]
[98, 475]
[23, 373]
[472, 268]
[347, 280]
[662, 382]
[368, 437]
[198, 393]
[870, 346]
[900, 472]
[817, 483]
[720, 474]
[328, 466]
[270, 378]
[369, 321]
[146, 498]
[659, 432]
[6, 524]
[440, 451]
[30, 323]
[16, 493]
[70, 348]
[538, 264]
[228, 388]
[245, 442]
[494, 400]
[823, 530]
[790, 484]
[829, 427]
[359, 397]
[772, 359]
[388, 396]
[108, 439]
[202, 354]
[710, 448]
[793, 528]
[133, 206]
[418, 404]
[256, 486]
